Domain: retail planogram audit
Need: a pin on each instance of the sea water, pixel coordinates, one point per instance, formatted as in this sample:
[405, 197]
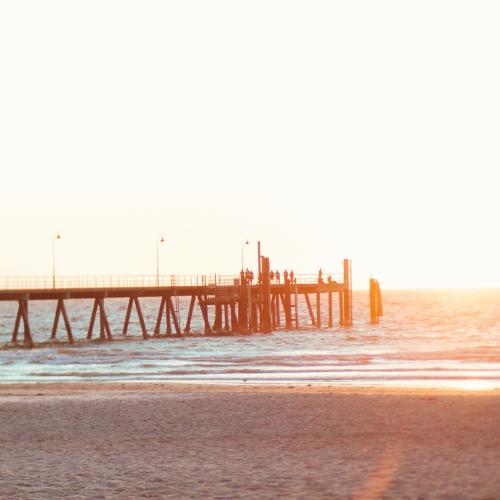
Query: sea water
[439, 338]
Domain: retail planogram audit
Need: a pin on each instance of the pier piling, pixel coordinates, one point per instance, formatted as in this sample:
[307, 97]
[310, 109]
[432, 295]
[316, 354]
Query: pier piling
[375, 302]
[347, 293]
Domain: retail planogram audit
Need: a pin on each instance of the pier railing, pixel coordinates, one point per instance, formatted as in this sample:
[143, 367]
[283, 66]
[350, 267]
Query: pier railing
[135, 281]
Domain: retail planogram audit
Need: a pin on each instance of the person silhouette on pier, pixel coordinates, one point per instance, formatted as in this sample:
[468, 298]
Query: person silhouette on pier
[285, 276]
[291, 276]
[320, 276]
[277, 276]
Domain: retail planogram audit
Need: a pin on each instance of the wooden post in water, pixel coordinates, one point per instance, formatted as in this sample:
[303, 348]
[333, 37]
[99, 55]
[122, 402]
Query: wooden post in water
[22, 313]
[104, 320]
[318, 310]
[92, 320]
[375, 301]
[217, 328]
[273, 311]
[28, 339]
[296, 305]
[234, 318]
[347, 293]
[330, 309]
[61, 309]
[102, 333]
[204, 312]
[129, 312]
[266, 323]
[287, 305]
[278, 309]
[226, 317]
[167, 317]
[187, 328]
[174, 316]
[310, 309]
[141, 318]
[105, 330]
[243, 304]
[341, 308]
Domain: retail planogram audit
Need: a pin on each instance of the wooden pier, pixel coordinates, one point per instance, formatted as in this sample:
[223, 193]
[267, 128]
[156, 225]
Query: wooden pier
[228, 305]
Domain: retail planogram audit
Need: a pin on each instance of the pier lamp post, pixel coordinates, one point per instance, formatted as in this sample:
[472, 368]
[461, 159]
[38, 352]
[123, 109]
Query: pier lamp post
[243, 244]
[158, 242]
[56, 237]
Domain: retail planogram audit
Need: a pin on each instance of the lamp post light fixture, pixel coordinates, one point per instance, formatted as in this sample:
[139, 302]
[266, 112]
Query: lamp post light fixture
[243, 243]
[158, 242]
[56, 237]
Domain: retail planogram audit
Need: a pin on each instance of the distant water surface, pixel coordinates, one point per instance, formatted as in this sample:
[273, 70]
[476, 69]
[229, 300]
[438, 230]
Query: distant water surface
[426, 338]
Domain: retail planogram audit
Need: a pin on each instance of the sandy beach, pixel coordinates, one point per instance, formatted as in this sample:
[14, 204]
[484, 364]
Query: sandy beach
[152, 440]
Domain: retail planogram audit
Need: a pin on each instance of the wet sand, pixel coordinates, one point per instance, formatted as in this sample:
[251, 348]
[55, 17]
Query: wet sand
[152, 440]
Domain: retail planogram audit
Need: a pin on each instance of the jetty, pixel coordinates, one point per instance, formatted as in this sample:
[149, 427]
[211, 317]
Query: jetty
[235, 304]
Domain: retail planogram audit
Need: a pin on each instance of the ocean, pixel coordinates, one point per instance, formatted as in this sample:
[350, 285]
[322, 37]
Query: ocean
[426, 338]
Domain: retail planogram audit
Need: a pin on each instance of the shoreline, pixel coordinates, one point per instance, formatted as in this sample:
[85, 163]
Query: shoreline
[159, 387]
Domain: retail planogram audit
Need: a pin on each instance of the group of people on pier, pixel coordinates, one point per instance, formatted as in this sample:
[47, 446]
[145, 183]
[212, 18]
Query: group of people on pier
[288, 277]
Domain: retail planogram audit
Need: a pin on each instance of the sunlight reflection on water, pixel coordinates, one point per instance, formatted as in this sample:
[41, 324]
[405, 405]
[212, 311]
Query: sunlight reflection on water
[426, 338]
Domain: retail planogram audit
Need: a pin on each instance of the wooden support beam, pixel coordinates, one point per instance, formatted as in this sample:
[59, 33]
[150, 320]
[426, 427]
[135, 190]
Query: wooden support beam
[341, 308]
[330, 309]
[141, 318]
[187, 328]
[218, 318]
[60, 308]
[258, 305]
[174, 317]
[132, 301]
[28, 340]
[310, 309]
[66, 321]
[104, 319]
[234, 318]
[285, 300]
[22, 314]
[102, 333]
[318, 310]
[244, 304]
[168, 323]
[265, 295]
[278, 310]
[204, 312]
[156, 332]
[92, 318]
[254, 317]
[375, 302]
[56, 321]
[127, 315]
[273, 311]
[296, 305]
[226, 318]
[347, 293]
[288, 306]
[17, 323]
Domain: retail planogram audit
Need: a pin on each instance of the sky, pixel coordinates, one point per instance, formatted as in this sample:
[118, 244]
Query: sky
[325, 129]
